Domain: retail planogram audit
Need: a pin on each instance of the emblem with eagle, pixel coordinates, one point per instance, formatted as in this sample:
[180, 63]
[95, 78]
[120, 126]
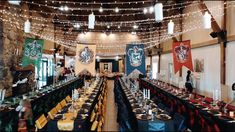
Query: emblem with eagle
[135, 55]
[86, 55]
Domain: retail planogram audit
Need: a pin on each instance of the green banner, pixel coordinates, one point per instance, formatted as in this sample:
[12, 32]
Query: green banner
[33, 49]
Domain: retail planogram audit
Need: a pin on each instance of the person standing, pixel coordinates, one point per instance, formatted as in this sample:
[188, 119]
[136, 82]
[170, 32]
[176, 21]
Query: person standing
[189, 82]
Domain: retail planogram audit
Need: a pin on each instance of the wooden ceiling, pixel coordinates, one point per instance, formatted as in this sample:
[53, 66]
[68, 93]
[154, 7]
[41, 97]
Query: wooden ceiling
[143, 27]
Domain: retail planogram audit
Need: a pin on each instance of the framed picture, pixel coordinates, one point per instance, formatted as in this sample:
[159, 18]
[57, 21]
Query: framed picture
[199, 65]
[106, 66]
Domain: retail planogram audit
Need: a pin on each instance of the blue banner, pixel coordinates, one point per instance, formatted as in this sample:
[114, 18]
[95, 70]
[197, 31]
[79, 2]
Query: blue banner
[135, 59]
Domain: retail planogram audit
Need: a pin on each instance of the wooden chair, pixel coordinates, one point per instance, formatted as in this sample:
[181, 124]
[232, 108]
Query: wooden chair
[68, 98]
[52, 113]
[41, 122]
[93, 115]
[58, 107]
[63, 103]
[94, 125]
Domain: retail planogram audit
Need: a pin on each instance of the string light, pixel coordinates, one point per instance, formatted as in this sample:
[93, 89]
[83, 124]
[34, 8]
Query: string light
[116, 10]
[101, 9]
[151, 9]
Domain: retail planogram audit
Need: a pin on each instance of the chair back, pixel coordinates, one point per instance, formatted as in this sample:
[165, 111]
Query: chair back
[179, 122]
[63, 103]
[41, 122]
[58, 107]
[94, 125]
[68, 98]
[52, 113]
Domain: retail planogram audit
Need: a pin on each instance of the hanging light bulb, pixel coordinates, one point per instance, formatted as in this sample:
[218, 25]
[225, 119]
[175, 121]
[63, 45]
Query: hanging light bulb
[91, 21]
[119, 26]
[133, 33]
[66, 8]
[135, 26]
[158, 12]
[27, 26]
[108, 26]
[61, 8]
[170, 27]
[151, 9]
[101, 10]
[14, 2]
[145, 10]
[207, 20]
[77, 25]
[116, 58]
[116, 10]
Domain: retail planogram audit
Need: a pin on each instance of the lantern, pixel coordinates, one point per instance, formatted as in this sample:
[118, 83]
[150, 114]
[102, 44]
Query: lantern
[170, 27]
[158, 8]
[91, 21]
[207, 20]
[27, 27]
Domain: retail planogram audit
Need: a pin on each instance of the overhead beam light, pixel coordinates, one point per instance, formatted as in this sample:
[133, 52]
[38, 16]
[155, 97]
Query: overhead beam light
[77, 25]
[101, 10]
[135, 26]
[133, 33]
[14, 2]
[116, 10]
[64, 8]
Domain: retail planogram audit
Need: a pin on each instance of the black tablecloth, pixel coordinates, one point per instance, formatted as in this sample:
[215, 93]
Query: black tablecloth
[131, 120]
[80, 124]
[40, 105]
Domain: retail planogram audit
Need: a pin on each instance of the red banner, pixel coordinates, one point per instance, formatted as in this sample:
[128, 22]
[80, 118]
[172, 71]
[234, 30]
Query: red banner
[182, 55]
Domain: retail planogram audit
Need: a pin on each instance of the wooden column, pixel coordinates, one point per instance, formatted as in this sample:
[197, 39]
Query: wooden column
[1, 50]
[222, 38]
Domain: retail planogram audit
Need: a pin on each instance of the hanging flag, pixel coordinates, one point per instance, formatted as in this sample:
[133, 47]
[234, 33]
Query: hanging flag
[85, 59]
[135, 60]
[182, 55]
[33, 49]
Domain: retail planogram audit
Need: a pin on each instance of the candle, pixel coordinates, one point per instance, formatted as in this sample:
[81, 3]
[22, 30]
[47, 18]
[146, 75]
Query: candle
[231, 114]
[148, 94]
[150, 112]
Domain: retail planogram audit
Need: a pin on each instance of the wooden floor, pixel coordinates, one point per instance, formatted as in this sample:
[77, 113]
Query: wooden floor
[111, 110]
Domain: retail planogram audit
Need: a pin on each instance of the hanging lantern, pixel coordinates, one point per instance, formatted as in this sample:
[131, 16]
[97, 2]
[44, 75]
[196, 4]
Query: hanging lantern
[207, 20]
[14, 2]
[170, 27]
[158, 8]
[27, 27]
[91, 21]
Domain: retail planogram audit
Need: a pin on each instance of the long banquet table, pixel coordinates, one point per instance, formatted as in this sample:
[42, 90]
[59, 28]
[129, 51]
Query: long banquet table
[82, 120]
[135, 121]
[202, 112]
[41, 103]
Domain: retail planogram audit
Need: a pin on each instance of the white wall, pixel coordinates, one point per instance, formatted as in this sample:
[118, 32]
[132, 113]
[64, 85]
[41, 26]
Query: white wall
[155, 66]
[210, 79]
[230, 66]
